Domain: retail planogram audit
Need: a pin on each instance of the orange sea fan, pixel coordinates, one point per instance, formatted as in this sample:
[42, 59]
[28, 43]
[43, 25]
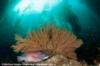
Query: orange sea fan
[49, 39]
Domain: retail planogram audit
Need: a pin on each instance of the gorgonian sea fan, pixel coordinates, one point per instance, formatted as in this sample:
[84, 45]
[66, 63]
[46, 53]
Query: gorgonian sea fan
[49, 39]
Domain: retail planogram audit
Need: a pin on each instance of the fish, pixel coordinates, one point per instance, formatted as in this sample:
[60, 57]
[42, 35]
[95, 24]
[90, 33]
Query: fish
[33, 57]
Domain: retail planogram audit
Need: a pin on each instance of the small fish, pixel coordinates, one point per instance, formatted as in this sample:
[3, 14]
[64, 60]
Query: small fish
[33, 57]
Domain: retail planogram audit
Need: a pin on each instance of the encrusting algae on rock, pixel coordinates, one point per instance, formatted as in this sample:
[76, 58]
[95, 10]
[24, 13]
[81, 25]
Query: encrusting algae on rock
[56, 42]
